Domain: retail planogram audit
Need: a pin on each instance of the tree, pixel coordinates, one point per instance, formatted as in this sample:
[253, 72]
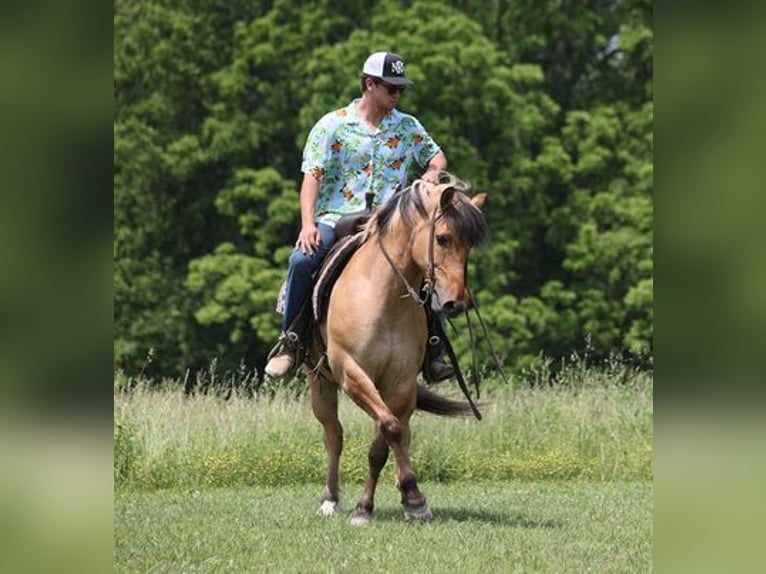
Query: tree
[545, 106]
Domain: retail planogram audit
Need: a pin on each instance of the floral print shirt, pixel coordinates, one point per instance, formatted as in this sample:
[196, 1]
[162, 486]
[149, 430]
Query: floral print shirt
[350, 158]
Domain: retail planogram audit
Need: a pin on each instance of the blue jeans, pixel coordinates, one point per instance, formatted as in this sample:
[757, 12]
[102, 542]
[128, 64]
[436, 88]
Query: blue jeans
[300, 275]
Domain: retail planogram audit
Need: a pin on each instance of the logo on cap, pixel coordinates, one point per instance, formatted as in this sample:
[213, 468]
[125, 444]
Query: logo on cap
[397, 67]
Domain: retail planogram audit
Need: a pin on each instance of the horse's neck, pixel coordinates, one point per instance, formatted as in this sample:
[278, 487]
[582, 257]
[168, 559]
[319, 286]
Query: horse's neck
[399, 264]
[370, 301]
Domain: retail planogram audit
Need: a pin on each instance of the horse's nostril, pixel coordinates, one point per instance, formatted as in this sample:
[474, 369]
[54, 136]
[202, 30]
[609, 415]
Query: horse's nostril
[450, 309]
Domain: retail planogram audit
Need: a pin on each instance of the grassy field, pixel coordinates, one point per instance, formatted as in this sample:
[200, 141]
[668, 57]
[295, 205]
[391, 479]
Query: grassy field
[515, 526]
[554, 479]
[597, 430]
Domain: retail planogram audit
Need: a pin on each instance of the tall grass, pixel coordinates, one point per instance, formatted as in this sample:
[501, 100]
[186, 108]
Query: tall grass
[594, 424]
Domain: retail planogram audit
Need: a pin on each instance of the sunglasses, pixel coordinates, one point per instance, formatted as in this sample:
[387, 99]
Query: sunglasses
[391, 89]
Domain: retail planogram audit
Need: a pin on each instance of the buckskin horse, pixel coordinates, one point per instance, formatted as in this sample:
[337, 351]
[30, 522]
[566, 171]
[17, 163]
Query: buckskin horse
[413, 251]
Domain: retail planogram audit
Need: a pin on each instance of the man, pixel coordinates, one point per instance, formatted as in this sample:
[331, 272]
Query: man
[365, 147]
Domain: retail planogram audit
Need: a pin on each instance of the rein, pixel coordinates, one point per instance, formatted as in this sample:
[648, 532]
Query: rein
[428, 283]
[428, 286]
[458, 373]
[474, 371]
[412, 293]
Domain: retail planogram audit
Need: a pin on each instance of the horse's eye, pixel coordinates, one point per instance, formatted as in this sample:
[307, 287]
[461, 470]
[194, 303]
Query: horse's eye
[442, 240]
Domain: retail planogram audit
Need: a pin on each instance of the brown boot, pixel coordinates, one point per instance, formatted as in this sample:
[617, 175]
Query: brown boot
[283, 358]
[437, 371]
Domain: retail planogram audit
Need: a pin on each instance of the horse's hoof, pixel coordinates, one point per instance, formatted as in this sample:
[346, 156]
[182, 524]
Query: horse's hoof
[418, 513]
[329, 508]
[360, 518]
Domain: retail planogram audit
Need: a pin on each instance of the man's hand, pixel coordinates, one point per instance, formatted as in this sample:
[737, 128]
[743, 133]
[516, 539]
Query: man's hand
[308, 239]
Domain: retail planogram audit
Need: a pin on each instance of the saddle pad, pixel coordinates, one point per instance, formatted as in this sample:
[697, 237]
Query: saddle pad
[331, 267]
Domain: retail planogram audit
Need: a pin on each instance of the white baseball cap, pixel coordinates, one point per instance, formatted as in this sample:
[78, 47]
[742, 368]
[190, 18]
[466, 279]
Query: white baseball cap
[388, 67]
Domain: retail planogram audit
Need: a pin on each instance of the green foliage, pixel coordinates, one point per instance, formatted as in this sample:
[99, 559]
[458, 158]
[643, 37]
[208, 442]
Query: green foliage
[546, 106]
[125, 452]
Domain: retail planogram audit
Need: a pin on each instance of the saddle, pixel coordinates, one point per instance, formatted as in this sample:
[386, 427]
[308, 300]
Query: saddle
[333, 264]
[348, 237]
[314, 310]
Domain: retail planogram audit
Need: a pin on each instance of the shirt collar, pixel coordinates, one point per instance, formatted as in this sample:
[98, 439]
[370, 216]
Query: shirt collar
[387, 120]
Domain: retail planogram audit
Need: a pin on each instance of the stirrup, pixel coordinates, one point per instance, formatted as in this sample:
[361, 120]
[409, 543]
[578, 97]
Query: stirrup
[287, 352]
[289, 342]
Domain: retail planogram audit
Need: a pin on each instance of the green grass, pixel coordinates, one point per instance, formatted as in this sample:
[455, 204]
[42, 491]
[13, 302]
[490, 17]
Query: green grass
[596, 429]
[514, 526]
[554, 479]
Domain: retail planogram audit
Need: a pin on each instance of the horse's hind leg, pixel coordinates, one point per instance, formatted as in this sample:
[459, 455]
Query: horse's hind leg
[324, 403]
[377, 457]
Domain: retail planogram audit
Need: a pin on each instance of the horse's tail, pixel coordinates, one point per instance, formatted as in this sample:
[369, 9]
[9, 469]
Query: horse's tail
[436, 404]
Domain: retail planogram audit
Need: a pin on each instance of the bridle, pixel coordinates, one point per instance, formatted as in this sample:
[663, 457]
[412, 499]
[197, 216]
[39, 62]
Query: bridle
[430, 279]
[428, 289]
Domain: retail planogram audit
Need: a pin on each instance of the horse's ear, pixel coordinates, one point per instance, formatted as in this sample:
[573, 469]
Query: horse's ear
[446, 198]
[479, 199]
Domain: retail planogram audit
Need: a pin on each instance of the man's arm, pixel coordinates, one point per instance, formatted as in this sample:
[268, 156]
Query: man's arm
[437, 164]
[309, 238]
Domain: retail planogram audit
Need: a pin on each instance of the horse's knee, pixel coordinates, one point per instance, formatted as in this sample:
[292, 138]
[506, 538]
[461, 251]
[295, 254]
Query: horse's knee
[392, 430]
[333, 430]
[327, 414]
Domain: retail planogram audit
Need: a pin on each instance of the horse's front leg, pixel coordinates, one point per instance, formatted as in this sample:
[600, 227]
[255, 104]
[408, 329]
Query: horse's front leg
[377, 457]
[414, 503]
[324, 403]
[395, 433]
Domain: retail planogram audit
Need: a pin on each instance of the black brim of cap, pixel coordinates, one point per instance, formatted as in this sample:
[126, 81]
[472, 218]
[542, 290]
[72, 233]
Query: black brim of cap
[397, 81]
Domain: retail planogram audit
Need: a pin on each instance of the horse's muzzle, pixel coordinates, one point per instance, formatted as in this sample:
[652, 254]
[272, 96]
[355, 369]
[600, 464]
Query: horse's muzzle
[454, 308]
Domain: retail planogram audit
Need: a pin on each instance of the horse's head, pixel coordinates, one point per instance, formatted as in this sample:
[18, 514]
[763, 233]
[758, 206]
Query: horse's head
[444, 239]
[439, 223]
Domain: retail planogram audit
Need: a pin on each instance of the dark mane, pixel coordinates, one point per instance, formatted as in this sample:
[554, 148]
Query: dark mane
[461, 216]
[466, 220]
[405, 203]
